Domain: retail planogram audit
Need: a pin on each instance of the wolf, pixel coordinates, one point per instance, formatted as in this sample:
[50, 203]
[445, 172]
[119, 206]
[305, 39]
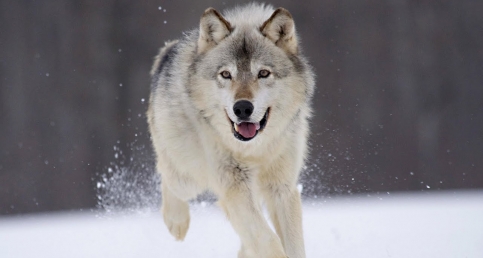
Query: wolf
[229, 112]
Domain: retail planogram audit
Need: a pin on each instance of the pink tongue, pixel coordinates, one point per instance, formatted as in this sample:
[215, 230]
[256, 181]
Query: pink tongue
[247, 130]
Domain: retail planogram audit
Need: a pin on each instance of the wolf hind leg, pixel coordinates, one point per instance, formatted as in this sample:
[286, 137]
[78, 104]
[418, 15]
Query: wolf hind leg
[176, 213]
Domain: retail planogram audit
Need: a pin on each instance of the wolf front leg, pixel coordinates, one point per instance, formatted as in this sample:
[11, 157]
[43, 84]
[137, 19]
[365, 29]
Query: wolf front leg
[176, 214]
[286, 214]
[176, 189]
[279, 187]
[237, 199]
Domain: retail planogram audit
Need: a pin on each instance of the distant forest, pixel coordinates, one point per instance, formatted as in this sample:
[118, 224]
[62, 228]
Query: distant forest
[398, 105]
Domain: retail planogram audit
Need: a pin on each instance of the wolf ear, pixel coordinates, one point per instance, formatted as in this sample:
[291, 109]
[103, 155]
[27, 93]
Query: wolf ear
[213, 29]
[280, 29]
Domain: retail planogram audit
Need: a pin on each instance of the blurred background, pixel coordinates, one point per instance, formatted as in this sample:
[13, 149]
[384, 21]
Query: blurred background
[398, 105]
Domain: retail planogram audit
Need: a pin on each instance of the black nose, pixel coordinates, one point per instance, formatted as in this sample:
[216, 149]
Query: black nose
[243, 109]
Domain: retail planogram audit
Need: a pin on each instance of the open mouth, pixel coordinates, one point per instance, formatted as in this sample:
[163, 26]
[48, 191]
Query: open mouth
[246, 131]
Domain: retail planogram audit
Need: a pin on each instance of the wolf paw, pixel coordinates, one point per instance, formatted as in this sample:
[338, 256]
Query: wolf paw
[178, 229]
[247, 253]
[177, 221]
[242, 254]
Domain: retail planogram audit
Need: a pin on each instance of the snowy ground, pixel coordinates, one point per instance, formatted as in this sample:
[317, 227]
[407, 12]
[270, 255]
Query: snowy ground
[396, 225]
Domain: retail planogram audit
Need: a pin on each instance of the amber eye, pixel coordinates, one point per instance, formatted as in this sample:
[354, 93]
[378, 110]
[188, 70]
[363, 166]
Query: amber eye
[263, 73]
[225, 75]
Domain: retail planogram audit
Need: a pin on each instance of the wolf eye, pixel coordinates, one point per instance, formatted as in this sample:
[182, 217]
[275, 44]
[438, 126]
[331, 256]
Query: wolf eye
[225, 75]
[263, 73]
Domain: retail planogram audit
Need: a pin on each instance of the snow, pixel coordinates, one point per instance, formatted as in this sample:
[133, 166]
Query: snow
[447, 224]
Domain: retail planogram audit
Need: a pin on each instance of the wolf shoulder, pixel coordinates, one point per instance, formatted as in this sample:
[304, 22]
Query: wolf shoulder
[163, 63]
[165, 56]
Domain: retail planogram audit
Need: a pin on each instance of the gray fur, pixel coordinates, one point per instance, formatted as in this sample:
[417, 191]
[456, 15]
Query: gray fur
[191, 121]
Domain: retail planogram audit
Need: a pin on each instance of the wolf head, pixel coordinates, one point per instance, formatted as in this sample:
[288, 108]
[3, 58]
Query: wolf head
[249, 80]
